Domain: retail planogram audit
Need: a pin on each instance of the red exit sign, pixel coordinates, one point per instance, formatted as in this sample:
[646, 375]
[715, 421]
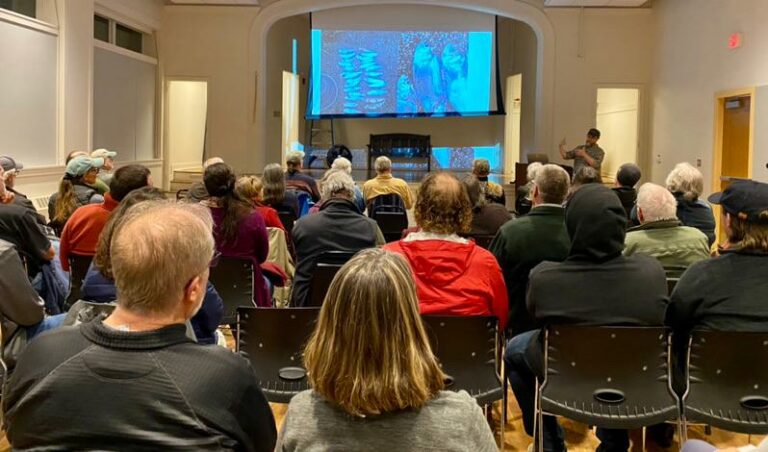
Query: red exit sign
[734, 41]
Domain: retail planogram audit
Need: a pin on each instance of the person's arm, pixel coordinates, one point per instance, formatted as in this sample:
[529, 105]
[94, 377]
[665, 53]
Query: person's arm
[261, 239]
[64, 246]
[597, 161]
[253, 414]
[20, 303]
[479, 436]
[34, 241]
[566, 155]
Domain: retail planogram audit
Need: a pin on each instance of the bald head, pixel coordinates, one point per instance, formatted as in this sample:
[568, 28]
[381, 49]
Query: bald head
[158, 248]
[443, 205]
[655, 203]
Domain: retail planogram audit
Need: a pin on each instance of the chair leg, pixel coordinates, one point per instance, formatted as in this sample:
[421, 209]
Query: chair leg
[503, 418]
[682, 430]
[538, 427]
[642, 433]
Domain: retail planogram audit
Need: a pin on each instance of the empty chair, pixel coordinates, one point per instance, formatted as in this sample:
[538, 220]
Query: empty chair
[389, 213]
[326, 267]
[233, 279]
[591, 376]
[725, 389]
[273, 339]
[78, 268]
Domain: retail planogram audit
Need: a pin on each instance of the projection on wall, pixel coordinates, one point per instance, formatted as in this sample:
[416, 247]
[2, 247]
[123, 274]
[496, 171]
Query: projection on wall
[359, 73]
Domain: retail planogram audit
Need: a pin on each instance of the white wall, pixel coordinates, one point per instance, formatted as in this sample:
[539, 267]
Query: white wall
[617, 110]
[186, 117]
[692, 63]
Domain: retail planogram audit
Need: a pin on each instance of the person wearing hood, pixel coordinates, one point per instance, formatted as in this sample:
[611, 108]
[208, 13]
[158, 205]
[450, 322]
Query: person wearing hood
[453, 275]
[603, 287]
[338, 226]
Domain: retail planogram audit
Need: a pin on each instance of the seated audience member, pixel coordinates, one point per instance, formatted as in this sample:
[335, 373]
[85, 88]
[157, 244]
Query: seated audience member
[523, 200]
[105, 175]
[595, 285]
[75, 190]
[686, 183]
[487, 217]
[275, 194]
[660, 234]
[338, 226]
[238, 228]
[22, 313]
[81, 233]
[385, 184]
[99, 284]
[491, 191]
[11, 169]
[727, 293]
[135, 376]
[393, 398]
[453, 275]
[295, 178]
[74, 154]
[342, 164]
[252, 189]
[18, 225]
[196, 192]
[627, 177]
[524, 242]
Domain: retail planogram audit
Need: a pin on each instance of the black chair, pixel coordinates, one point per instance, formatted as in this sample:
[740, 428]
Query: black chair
[326, 267]
[273, 339]
[287, 217]
[673, 273]
[728, 381]
[468, 348]
[389, 213]
[611, 377]
[78, 268]
[233, 280]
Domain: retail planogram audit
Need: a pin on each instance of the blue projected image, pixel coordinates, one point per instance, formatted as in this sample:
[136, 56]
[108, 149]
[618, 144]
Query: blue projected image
[396, 73]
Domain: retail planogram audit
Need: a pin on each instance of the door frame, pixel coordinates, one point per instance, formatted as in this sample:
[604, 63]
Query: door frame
[642, 154]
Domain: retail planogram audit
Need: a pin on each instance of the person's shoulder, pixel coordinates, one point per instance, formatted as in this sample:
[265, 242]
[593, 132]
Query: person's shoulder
[692, 232]
[52, 347]
[460, 403]
[544, 268]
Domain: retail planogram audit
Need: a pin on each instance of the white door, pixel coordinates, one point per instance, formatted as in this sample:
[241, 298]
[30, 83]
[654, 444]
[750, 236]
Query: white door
[617, 119]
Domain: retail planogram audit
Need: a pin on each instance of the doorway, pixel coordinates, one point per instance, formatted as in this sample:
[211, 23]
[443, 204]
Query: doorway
[617, 117]
[186, 118]
[734, 125]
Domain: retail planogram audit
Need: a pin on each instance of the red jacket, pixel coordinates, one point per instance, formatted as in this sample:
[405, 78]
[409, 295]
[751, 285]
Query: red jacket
[455, 279]
[271, 218]
[81, 233]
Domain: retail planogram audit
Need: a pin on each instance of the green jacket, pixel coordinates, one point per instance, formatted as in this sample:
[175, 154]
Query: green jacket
[673, 244]
[522, 244]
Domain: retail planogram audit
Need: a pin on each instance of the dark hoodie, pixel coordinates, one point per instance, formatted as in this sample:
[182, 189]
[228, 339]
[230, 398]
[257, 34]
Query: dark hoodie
[596, 284]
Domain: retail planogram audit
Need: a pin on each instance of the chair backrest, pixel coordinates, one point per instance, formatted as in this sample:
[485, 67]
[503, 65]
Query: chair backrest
[391, 202]
[233, 280]
[327, 265]
[728, 381]
[674, 271]
[287, 217]
[273, 339]
[466, 348]
[78, 268]
[391, 224]
[611, 377]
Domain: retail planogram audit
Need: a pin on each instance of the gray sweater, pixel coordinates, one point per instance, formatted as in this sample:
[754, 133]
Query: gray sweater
[450, 422]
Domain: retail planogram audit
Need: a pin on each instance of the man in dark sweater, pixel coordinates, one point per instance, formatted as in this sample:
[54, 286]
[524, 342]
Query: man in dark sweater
[135, 381]
[525, 242]
[294, 178]
[594, 285]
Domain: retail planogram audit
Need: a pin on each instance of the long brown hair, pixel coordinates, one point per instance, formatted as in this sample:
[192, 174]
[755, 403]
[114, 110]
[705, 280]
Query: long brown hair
[369, 353]
[274, 184]
[219, 180]
[66, 200]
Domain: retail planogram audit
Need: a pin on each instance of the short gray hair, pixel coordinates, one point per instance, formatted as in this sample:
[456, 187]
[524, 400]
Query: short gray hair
[553, 182]
[337, 184]
[532, 170]
[212, 161]
[687, 180]
[656, 202]
[175, 244]
[342, 164]
[382, 164]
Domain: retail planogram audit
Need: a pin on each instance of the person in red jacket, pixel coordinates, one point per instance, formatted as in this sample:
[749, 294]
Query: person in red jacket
[81, 232]
[453, 275]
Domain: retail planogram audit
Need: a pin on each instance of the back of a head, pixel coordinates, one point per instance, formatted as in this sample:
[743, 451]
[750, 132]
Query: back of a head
[341, 163]
[249, 187]
[212, 161]
[587, 175]
[628, 175]
[126, 179]
[443, 205]
[596, 223]
[656, 203]
[686, 180]
[474, 190]
[219, 179]
[382, 165]
[337, 184]
[293, 161]
[336, 151]
[371, 310]
[74, 154]
[532, 170]
[481, 167]
[157, 249]
[553, 183]
[273, 178]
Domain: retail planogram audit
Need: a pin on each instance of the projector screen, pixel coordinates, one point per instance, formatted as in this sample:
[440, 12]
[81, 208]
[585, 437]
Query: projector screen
[402, 61]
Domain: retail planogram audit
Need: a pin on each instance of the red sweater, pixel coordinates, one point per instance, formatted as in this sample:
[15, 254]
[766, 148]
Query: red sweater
[455, 279]
[81, 233]
[271, 218]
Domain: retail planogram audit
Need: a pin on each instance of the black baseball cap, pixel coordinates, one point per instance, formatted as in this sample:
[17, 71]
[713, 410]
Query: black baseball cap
[745, 199]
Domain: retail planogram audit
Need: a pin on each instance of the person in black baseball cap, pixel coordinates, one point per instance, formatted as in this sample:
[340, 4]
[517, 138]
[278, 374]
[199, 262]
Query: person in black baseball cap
[745, 200]
[11, 169]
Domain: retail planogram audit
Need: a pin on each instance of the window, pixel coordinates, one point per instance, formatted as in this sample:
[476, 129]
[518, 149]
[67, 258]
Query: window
[25, 7]
[101, 28]
[128, 38]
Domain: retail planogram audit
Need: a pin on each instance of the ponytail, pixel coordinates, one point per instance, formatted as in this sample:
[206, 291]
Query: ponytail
[66, 202]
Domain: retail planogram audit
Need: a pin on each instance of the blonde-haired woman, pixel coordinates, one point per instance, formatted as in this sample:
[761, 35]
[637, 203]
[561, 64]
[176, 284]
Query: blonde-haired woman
[376, 384]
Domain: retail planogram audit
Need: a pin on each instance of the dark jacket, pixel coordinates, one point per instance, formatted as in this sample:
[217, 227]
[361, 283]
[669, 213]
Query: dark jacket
[520, 245]
[725, 293]
[488, 218]
[596, 284]
[197, 192]
[290, 201]
[338, 226]
[83, 195]
[100, 289]
[154, 390]
[627, 196]
[310, 182]
[696, 214]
